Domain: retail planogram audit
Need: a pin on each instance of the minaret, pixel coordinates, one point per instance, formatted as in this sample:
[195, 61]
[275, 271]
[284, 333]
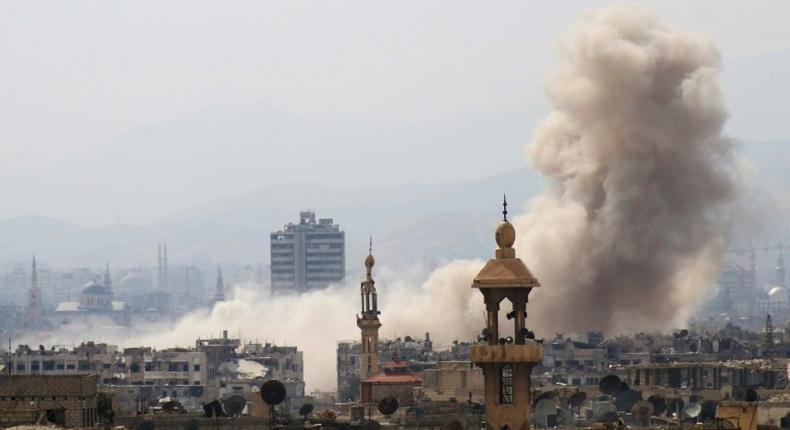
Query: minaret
[34, 312]
[107, 279]
[219, 296]
[768, 348]
[507, 362]
[159, 282]
[165, 271]
[369, 322]
[780, 269]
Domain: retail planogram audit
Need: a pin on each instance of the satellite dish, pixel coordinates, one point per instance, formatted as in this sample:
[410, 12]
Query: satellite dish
[659, 403]
[626, 400]
[191, 425]
[388, 405]
[709, 409]
[675, 406]
[234, 405]
[145, 425]
[543, 410]
[273, 392]
[610, 384]
[642, 410]
[751, 395]
[739, 393]
[577, 399]
[692, 410]
[306, 410]
[725, 391]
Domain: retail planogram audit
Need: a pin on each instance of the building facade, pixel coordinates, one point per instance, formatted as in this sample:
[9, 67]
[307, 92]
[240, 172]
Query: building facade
[308, 255]
[65, 400]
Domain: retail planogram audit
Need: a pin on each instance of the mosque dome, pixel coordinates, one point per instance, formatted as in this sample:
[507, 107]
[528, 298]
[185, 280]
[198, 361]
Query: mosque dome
[95, 296]
[94, 288]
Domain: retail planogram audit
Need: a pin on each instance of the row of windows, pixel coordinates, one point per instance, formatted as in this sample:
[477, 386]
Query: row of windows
[313, 236]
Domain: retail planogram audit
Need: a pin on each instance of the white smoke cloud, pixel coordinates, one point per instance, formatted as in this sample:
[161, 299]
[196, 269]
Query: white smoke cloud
[633, 230]
[629, 237]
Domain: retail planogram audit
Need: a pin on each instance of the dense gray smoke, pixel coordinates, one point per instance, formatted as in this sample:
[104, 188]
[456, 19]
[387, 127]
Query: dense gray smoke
[633, 231]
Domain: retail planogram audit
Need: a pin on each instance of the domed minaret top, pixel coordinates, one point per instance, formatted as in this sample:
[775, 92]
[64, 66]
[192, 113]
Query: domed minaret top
[505, 235]
[505, 270]
[369, 260]
[367, 288]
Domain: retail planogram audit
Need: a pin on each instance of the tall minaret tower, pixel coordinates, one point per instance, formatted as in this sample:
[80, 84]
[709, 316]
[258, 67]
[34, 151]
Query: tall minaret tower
[164, 268]
[34, 313]
[161, 277]
[107, 280]
[780, 269]
[369, 322]
[159, 281]
[219, 296]
[506, 361]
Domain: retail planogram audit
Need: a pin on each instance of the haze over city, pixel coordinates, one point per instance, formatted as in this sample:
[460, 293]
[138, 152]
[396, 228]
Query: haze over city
[202, 201]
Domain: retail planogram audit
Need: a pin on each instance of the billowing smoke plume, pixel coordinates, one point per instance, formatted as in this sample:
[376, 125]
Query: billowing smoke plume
[630, 236]
[633, 231]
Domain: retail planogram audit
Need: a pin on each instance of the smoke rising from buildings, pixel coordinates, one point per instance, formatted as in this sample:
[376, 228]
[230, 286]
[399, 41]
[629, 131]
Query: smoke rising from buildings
[633, 229]
[629, 236]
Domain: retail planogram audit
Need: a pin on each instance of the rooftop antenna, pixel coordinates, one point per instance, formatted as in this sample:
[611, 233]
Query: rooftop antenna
[504, 207]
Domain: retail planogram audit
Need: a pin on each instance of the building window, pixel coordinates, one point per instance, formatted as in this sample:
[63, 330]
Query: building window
[506, 385]
[196, 368]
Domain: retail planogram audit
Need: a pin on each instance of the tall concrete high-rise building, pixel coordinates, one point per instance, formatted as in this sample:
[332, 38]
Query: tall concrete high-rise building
[308, 255]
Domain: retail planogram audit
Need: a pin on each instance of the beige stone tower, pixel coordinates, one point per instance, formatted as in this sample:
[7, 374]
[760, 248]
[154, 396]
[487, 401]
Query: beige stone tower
[506, 362]
[369, 322]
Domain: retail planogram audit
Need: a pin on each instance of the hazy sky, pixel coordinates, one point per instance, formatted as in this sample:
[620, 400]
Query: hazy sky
[76, 76]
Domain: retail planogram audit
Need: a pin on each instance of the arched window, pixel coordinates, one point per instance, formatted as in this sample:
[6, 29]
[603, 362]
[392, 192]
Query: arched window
[506, 384]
